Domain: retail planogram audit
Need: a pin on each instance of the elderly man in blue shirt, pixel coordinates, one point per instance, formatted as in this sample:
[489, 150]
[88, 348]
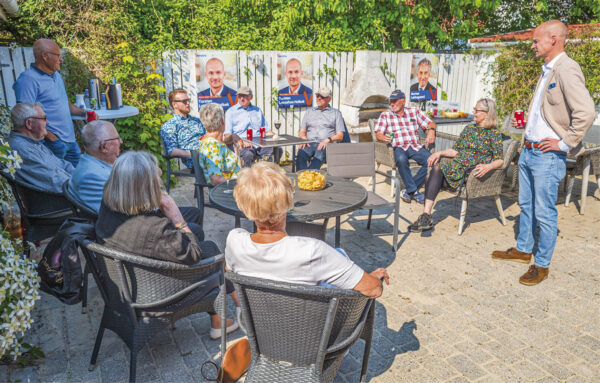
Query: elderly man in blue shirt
[40, 168]
[43, 83]
[181, 133]
[241, 117]
[323, 124]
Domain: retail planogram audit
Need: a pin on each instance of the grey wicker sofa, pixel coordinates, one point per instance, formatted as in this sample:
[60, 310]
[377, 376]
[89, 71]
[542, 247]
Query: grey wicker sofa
[300, 333]
[142, 295]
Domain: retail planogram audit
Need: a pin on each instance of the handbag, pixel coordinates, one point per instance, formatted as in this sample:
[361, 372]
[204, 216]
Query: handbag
[234, 364]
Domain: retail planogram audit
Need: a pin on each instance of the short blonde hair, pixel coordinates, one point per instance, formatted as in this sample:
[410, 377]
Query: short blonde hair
[134, 184]
[211, 116]
[264, 193]
[489, 106]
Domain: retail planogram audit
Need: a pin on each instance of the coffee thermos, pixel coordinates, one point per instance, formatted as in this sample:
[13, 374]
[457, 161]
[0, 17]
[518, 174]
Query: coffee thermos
[94, 87]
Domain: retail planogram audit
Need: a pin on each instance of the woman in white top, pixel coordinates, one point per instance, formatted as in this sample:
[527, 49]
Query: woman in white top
[265, 194]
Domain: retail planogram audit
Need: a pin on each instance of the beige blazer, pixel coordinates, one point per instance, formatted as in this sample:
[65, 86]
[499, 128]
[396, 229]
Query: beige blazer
[566, 103]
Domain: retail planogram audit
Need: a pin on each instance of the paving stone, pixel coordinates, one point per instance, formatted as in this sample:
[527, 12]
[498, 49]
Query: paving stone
[528, 370]
[547, 364]
[466, 367]
[589, 341]
[475, 352]
[504, 372]
[437, 367]
[501, 352]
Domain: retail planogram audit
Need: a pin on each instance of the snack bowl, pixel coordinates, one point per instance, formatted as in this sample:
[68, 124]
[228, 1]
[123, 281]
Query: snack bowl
[311, 180]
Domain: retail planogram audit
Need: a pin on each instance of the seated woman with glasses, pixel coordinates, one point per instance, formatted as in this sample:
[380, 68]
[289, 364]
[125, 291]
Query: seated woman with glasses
[478, 150]
[136, 217]
[218, 162]
[264, 194]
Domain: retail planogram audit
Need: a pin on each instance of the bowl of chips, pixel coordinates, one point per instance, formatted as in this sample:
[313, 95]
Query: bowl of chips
[311, 180]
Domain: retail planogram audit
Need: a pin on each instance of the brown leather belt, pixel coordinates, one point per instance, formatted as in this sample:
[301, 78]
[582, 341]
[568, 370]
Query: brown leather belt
[530, 145]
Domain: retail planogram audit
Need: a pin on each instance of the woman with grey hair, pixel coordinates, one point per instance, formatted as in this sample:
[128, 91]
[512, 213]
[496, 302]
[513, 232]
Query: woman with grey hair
[478, 150]
[137, 217]
[218, 162]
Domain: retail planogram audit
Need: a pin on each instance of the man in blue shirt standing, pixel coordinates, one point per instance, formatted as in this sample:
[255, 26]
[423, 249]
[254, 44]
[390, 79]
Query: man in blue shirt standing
[241, 117]
[43, 83]
[181, 134]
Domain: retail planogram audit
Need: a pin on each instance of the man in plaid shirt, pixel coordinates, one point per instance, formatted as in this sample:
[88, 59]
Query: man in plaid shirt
[403, 124]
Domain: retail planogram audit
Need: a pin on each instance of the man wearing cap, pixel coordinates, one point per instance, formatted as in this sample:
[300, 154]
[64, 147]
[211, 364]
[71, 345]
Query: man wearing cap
[43, 83]
[241, 117]
[181, 132]
[323, 124]
[403, 124]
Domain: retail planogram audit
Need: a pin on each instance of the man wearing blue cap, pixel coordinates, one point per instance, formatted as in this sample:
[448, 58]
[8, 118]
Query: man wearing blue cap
[403, 124]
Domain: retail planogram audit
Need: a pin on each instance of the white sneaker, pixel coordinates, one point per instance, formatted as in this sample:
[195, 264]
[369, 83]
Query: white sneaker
[215, 333]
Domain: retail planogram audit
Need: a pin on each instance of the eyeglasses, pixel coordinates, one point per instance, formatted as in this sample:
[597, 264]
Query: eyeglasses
[479, 110]
[185, 101]
[112, 139]
[40, 118]
[59, 55]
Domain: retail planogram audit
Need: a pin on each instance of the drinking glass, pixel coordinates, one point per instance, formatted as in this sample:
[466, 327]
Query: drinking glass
[227, 173]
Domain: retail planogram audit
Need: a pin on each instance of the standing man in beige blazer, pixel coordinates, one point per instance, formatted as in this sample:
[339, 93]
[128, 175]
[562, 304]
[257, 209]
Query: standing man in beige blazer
[559, 115]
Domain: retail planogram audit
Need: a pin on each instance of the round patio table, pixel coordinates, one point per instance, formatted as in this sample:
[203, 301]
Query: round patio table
[340, 196]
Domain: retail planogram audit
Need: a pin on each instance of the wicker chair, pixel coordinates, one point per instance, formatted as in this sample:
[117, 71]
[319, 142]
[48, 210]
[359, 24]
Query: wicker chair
[43, 212]
[300, 333]
[584, 164]
[489, 185]
[82, 211]
[142, 295]
[168, 158]
[357, 160]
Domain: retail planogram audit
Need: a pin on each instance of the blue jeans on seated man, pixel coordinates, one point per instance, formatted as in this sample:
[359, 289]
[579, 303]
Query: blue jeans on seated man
[412, 184]
[312, 154]
[248, 155]
[539, 176]
[68, 151]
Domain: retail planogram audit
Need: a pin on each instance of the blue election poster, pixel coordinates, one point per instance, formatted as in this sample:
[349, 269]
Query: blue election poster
[216, 78]
[423, 77]
[294, 72]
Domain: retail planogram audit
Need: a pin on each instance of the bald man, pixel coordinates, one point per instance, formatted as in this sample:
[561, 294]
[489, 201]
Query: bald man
[293, 74]
[560, 113]
[43, 83]
[217, 91]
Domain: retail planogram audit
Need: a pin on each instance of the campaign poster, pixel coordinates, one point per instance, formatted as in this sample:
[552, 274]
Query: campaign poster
[294, 75]
[423, 77]
[217, 78]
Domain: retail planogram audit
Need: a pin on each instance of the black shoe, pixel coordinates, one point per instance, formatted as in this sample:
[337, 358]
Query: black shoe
[423, 223]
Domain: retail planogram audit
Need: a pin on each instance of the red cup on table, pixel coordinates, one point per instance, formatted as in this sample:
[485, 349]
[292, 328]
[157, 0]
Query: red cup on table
[262, 132]
[249, 133]
[90, 115]
[520, 118]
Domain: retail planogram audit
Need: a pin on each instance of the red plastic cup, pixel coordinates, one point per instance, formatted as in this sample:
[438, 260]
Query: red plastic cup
[520, 118]
[262, 132]
[249, 133]
[90, 115]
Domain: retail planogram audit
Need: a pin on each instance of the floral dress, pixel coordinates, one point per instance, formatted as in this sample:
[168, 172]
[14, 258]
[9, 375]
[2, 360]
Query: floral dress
[215, 158]
[476, 145]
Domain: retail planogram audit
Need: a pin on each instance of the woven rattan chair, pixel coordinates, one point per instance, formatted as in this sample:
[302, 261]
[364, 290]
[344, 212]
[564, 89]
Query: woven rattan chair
[585, 164]
[142, 295]
[168, 158]
[300, 333]
[43, 212]
[358, 160]
[489, 185]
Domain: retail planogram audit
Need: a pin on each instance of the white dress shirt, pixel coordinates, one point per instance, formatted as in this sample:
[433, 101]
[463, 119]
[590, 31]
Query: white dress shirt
[537, 128]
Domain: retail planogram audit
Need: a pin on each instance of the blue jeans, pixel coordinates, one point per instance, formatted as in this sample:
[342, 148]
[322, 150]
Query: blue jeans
[310, 153]
[411, 183]
[539, 176]
[248, 155]
[68, 151]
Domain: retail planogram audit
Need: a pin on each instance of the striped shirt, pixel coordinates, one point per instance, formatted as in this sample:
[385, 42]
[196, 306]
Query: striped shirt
[405, 127]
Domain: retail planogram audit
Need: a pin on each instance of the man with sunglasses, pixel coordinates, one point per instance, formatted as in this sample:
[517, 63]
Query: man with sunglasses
[322, 123]
[43, 83]
[182, 132]
[40, 168]
[399, 127]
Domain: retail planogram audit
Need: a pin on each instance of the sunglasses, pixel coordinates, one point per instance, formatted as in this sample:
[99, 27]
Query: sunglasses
[185, 101]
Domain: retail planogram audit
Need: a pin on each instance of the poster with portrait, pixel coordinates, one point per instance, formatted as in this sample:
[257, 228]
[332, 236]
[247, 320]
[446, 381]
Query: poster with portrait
[216, 78]
[423, 77]
[294, 75]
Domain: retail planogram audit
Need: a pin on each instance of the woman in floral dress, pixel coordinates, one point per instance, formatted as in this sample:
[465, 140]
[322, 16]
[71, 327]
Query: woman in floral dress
[479, 148]
[215, 158]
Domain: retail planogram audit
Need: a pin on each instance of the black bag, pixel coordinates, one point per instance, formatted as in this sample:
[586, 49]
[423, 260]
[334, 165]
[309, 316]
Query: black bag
[60, 267]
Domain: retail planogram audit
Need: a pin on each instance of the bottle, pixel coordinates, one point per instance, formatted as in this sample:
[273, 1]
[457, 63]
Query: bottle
[103, 101]
[86, 98]
[12, 220]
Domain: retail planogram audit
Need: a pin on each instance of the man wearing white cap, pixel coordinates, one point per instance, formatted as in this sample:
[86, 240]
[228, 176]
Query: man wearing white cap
[322, 123]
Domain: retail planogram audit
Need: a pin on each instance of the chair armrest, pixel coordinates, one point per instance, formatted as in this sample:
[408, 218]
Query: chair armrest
[356, 333]
[384, 154]
[488, 185]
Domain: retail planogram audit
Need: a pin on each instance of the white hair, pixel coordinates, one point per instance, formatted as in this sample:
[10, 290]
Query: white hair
[23, 111]
[94, 132]
[211, 116]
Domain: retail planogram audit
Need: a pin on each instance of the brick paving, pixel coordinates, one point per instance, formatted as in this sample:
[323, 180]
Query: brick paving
[450, 314]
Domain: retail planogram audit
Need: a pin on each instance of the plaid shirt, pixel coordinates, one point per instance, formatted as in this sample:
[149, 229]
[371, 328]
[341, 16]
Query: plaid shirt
[405, 127]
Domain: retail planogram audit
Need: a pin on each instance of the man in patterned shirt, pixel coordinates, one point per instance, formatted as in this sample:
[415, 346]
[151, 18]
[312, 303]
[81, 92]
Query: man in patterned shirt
[182, 132]
[404, 123]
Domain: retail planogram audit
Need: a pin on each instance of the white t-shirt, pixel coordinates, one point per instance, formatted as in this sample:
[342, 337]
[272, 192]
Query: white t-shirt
[301, 260]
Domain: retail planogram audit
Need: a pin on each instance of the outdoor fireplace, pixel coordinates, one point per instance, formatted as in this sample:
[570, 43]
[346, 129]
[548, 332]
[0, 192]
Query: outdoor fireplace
[367, 94]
